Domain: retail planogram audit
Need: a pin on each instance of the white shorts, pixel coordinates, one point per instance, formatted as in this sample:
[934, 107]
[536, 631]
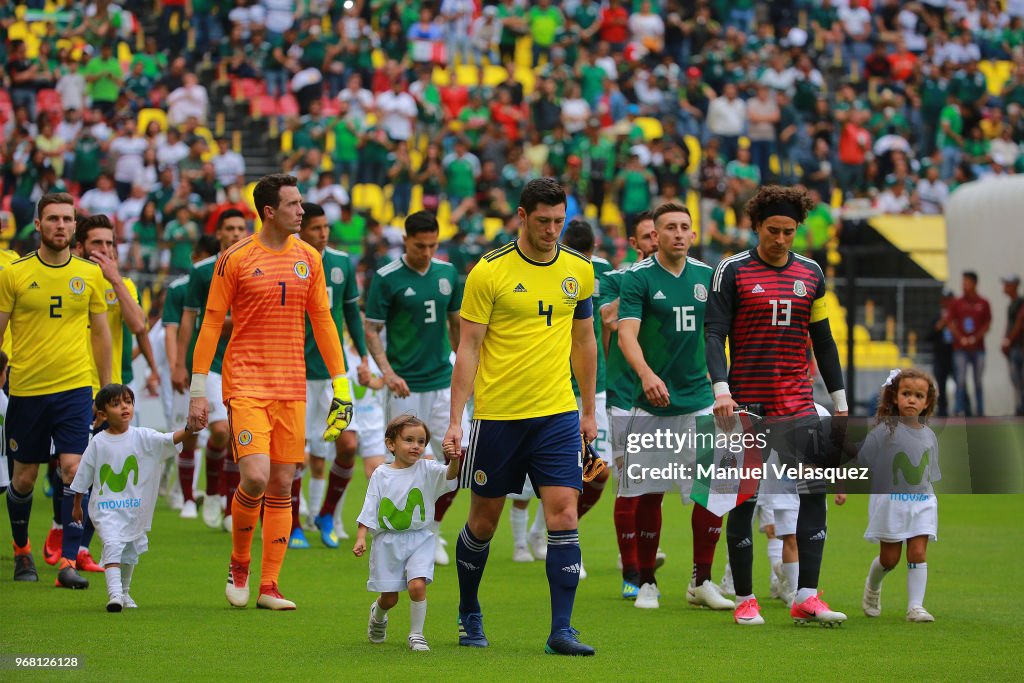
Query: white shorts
[617, 437]
[433, 407]
[4, 479]
[638, 486]
[602, 444]
[368, 424]
[123, 552]
[397, 557]
[319, 394]
[897, 517]
[215, 396]
[784, 520]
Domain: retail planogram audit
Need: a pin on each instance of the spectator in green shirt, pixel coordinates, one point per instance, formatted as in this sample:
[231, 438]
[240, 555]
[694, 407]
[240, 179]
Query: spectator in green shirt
[544, 21]
[180, 236]
[949, 138]
[104, 76]
[634, 183]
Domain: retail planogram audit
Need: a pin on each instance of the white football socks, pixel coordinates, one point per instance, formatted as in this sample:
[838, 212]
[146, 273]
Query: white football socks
[917, 581]
[417, 616]
[113, 577]
[519, 519]
[876, 574]
[316, 495]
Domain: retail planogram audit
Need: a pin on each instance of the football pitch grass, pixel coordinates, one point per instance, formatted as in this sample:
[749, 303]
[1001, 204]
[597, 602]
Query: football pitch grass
[185, 630]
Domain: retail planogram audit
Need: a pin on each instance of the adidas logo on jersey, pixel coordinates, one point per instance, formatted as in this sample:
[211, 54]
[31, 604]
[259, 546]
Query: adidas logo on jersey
[758, 289]
[257, 273]
[410, 292]
[745, 543]
[658, 296]
[820, 536]
[519, 289]
[572, 568]
[34, 285]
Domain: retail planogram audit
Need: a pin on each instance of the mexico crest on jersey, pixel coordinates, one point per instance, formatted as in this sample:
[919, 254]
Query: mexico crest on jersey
[302, 269]
[110, 296]
[337, 275]
[77, 285]
[700, 292]
[444, 287]
[799, 288]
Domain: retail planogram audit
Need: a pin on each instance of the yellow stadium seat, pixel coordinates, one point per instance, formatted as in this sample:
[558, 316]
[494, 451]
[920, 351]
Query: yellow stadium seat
[124, 54]
[610, 214]
[377, 58]
[494, 75]
[651, 127]
[837, 198]
[524, 53]
[213, 149]
[286, 141]
[327, 164]
[466, 75]
[996, 74]
[247, 197]
[527, 78]
[693, 146]
[492, 226]
[147, 116]
[331, 143]
[440, 77]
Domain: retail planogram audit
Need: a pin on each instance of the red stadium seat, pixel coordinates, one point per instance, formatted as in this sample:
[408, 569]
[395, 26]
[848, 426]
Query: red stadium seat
[330, 107]
[287, 106]
[264, 105]
[49, 101]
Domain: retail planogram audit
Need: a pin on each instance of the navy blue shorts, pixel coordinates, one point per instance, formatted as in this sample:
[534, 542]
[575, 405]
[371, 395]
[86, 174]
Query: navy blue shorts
[33, 421]
[502, 453]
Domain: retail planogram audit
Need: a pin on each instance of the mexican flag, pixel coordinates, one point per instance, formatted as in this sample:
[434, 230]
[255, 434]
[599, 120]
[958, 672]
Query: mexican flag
[721, 480]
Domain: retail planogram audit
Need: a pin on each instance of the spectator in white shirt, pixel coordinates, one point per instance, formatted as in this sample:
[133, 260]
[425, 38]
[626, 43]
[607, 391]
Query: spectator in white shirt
[894, 199]
[229, 164]
[458, 17]
[190, 100]
[101, 199]
[932, 193]
[171, 151]
[360, 100]
[397, 112]
[727, 116]
[72, 87]
[485, 35]
[127, 150]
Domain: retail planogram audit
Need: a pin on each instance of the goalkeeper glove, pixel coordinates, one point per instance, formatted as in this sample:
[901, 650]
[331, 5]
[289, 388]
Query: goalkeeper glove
[340, 414]
[593, 465]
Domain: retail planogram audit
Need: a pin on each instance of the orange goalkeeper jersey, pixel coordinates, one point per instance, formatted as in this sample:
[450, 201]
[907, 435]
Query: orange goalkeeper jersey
[268, 293]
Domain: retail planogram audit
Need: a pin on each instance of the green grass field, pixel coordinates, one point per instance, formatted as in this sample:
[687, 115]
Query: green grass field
[185, 629]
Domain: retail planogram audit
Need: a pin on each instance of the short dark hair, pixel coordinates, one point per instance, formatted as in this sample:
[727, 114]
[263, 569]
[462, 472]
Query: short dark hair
[637, 220]
[311, 211]
[972, 275]
[53, 198]
[230, 213]
[85, 224]
[421, 221]
[107, 395]
[668, 207]
[770, 198]
[395, 427]
[579, 235]
[538, 191]
[268, 191]
[207, 244]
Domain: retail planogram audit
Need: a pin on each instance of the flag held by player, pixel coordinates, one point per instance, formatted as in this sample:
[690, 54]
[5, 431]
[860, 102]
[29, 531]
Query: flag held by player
[724, 476]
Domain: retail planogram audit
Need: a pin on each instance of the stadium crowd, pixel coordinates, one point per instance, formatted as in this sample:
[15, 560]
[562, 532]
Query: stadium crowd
[626, 101]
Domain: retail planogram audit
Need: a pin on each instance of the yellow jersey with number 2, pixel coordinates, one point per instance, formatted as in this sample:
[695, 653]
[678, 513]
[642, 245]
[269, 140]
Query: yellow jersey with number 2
[50, 308]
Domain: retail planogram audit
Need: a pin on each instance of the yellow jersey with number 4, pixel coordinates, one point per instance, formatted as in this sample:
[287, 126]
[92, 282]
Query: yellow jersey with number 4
[529, 308]
[50, 308]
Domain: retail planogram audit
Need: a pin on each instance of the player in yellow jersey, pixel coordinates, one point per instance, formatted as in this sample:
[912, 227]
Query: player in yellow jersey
[50, 298]
[526, 316]
[7, 257]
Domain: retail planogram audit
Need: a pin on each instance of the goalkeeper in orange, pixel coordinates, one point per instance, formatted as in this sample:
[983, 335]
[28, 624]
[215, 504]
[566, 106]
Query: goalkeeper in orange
[269, 282]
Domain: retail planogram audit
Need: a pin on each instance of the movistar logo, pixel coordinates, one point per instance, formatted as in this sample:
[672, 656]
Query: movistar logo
[912, 475]
[118, 481]
[390, 517]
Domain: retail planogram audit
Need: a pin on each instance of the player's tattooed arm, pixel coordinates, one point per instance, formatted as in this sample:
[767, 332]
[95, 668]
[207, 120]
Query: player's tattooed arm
[376, 348]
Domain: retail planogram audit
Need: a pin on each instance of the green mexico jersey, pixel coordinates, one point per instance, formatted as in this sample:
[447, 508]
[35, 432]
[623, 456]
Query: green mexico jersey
[670, 309]
[195, 300]
[620, 381]
[174, 301]
[601, 268]
[414, 308]
[341, 289]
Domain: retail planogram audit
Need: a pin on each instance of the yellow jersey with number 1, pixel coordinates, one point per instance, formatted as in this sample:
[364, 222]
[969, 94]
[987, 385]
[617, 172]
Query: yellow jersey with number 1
[529, 308]
[50, 308]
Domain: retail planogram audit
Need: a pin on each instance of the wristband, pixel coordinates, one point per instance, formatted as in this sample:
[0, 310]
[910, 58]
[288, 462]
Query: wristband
[839, 401]
[721, 389]
[198, 387]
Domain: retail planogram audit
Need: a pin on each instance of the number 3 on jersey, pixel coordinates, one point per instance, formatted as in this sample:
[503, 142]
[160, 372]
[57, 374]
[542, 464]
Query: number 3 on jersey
[782, 312]
[431, 311]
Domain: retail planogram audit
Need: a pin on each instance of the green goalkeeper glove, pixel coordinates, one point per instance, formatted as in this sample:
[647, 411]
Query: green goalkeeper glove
[340, 414]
